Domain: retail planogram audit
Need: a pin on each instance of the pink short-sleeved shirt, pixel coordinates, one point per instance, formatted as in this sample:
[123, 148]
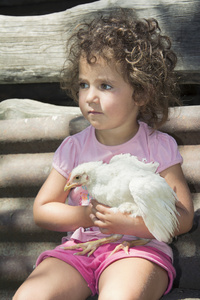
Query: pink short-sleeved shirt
[147, 145]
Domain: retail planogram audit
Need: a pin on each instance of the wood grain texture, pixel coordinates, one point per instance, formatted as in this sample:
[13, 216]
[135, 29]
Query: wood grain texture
[33, 48]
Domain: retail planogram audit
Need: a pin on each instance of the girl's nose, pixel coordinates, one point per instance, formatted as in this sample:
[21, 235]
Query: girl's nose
[92, 96]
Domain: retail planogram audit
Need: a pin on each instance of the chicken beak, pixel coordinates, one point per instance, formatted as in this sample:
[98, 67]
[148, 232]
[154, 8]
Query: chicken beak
[70, 186]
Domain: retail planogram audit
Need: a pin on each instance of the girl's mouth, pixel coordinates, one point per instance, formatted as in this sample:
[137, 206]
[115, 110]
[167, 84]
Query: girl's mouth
[92, 112]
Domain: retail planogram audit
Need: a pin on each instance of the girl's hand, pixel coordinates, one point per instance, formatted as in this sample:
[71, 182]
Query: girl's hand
[103, 217]
[117, 223]
[108, 221]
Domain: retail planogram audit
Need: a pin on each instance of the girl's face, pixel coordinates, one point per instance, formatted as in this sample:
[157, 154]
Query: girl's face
[106, 101]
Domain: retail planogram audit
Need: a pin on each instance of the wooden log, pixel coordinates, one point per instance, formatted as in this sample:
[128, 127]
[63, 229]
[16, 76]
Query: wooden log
[27, 108]
[33, 48]
[180, 294]
[26, 170]
[41, 127]
[18, 226]
[17, 213]
[181, 119]
[22, 241]
[16, 265]
[44, 125]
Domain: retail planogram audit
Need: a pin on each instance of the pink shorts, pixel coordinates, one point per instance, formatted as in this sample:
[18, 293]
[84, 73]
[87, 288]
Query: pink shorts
[92, 267]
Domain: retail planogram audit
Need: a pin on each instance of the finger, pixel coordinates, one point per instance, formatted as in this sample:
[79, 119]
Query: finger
[93, 205]
[99, 206]
[93, 218]
[102, 209]
[93, 210]
[94, 202]
[96, 207]
[99, 223]
[96, 215]
[101, 215]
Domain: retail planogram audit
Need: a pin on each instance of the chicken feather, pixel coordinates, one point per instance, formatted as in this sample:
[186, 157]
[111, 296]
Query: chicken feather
[131, 186]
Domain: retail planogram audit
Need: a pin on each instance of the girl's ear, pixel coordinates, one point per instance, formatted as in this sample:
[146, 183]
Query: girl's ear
[143, 96]
[140, 99]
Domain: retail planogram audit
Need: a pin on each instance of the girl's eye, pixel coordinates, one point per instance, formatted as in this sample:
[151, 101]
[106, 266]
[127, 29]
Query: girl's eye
[83, 85]
[105, 86]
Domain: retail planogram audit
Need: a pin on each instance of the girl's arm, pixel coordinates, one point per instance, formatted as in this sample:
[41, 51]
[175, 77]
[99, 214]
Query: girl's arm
[110, 222]
[50, 210]
[175, 178]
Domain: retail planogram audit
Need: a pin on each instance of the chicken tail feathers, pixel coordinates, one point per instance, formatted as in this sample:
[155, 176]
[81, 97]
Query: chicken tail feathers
[156, 205]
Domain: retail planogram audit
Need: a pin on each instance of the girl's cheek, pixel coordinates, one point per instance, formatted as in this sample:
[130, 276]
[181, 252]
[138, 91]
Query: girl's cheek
[81, 102]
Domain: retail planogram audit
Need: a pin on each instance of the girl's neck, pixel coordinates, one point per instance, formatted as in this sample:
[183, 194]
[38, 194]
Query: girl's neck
[114, 137]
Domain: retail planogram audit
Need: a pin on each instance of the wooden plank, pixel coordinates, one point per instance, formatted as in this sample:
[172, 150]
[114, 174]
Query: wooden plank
[18, 257]
[33, 48]
[21, 170]
[27, 170]
[41, 121]
[41, 127]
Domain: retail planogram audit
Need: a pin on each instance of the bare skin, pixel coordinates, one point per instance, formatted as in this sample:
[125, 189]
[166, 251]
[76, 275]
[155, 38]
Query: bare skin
[143, 273]
[56, 280]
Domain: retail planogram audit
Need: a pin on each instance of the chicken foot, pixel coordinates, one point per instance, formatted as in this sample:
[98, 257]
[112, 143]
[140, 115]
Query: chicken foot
[126, 245]
[90, 246]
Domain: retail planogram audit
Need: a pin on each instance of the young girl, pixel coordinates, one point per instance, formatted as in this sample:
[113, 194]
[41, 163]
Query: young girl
[122, 76]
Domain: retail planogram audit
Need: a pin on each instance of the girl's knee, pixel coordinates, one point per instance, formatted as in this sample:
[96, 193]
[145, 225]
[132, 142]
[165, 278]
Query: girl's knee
[26, 292]
[30, 291]
[111, 295]
[23, 293]
[116, 295]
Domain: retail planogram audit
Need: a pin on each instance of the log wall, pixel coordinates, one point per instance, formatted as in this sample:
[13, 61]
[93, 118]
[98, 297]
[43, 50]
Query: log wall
[32, 50]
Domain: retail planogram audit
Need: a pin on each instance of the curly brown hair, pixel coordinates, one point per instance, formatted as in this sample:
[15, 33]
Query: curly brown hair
[143, 54]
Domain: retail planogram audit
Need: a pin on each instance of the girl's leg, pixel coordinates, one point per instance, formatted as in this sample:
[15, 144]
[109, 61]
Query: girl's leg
[53, 279]
[132, 279]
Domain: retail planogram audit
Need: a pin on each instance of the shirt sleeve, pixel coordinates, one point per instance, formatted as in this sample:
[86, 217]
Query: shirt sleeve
[165, 151]
[65, 156]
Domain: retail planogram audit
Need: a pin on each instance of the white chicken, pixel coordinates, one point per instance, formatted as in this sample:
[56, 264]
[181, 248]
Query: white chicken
[129, 186]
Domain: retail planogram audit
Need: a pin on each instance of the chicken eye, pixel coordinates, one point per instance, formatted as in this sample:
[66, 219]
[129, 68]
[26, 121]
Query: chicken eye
[77, 177]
